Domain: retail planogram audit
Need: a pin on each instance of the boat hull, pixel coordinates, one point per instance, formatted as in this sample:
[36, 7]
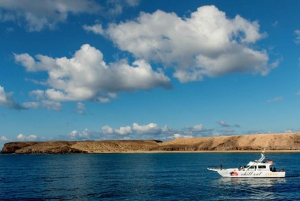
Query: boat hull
[232, 173]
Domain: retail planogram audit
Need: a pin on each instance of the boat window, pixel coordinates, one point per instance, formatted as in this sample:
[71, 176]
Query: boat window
[262, 166]
[251, 167]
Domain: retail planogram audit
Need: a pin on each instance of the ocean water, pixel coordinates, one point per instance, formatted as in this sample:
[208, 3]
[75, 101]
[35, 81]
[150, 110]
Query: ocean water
[173, 176]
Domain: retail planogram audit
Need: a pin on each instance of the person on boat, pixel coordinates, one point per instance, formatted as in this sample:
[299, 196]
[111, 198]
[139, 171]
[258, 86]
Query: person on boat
[274, 169]
[221, 166]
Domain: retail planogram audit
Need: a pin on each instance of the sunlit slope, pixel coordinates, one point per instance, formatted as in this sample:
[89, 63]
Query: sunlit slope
[278, 142]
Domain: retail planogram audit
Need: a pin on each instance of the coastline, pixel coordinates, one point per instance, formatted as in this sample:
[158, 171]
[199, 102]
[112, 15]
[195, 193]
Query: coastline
[273, 143]
[189, 152]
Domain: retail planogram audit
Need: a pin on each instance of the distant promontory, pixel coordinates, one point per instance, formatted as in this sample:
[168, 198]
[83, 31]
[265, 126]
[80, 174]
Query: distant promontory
[254, 142]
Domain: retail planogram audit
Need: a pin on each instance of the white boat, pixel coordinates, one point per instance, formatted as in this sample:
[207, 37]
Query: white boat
[257, 168]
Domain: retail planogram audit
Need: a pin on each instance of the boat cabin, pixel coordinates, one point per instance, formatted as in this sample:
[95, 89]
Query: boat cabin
[254, 166]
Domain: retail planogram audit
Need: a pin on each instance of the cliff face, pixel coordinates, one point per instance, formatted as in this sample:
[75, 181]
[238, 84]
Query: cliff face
[222, 143]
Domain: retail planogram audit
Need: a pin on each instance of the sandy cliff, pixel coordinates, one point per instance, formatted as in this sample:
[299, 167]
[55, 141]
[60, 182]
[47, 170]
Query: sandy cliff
[222, 143]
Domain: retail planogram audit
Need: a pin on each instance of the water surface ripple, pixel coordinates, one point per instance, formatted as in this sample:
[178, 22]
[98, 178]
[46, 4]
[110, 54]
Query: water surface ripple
[175, 176]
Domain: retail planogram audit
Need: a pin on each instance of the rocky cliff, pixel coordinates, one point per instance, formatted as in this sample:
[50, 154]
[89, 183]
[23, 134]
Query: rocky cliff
[220, 143]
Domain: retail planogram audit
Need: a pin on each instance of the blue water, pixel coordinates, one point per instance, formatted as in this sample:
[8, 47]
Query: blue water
[142, 177]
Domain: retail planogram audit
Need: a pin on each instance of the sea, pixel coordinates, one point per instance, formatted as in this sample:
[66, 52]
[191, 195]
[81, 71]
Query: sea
[143, 176]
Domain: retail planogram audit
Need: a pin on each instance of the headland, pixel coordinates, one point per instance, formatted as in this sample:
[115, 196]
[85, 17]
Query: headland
[282, 142]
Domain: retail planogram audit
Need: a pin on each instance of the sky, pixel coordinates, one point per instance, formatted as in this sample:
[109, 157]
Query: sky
[148, 69]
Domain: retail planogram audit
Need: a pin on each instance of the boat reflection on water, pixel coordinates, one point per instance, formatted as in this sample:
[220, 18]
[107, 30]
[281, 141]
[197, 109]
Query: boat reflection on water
[255, 182]
[251, 188]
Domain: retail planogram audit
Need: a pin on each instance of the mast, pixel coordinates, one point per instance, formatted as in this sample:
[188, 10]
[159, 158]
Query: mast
[262, 156]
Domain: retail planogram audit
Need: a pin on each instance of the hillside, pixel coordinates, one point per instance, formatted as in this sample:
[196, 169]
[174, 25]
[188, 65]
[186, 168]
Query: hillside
[277, 142]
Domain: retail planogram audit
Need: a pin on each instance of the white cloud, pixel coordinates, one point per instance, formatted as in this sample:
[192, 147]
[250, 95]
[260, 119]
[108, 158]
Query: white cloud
[87, 77]
[195, 129]
[3, 138]
[136, 131]
[297, 40]
[31, 104]
[276, 99]
[85, 134]
[6, 100]
[52, 105]
[206, 44]
[80, 108]
[223, 123]
[38, 14]
[122, 131]
[96, 29]
[146, 129]
[22, 137]
[198, 127]
[181, 136]
[39, 94]
[177, 136]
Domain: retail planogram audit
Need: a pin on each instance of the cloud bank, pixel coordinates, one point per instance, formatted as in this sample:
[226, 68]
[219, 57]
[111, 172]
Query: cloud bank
[136, 131]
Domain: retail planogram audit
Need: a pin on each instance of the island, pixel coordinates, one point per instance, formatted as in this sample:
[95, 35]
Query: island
[255, 142]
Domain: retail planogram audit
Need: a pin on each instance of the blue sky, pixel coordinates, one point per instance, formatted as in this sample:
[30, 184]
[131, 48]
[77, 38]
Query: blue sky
[141, 69]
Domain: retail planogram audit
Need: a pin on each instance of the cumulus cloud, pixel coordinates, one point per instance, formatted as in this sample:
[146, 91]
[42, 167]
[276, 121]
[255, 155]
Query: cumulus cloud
[224, 124]
[52, 105]
[136, 131]
[22, 137]
[196, 128]
[206, 44]
[38, 94]
[80, 108]
[6, 100]
[276, 99]
[297, 40]
[288, 131]
[121, 131]
[36, 14]
[181, 136]
[115, 7]
[3, 138]
[146, 129]
[85, 134]
[31, 105]
[96, 29]
[86, 76]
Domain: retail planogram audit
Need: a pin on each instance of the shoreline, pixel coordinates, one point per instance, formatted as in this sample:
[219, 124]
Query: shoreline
[273, 143]
[162, 152]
